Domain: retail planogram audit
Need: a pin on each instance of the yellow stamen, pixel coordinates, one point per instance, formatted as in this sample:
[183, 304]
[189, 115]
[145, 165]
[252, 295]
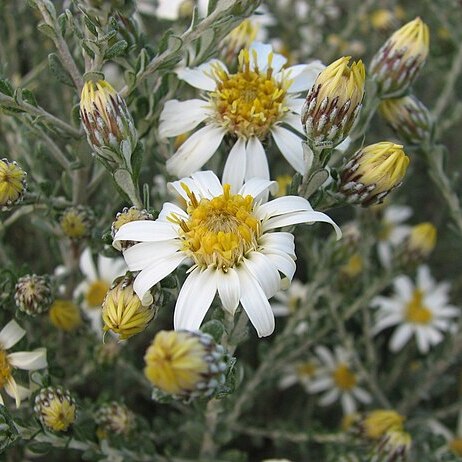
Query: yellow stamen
[343, 377]
[5, 368]
[416, 311]
[249, 102]
[221, 230]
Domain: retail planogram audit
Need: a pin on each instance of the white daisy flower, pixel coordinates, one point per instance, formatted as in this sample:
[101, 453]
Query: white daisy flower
[392, 232]
[303, 372]
[228, 240]
[98, 280]
[421, 310]
[259, 100]
[10, 335]
[338, 380]
[286, 302]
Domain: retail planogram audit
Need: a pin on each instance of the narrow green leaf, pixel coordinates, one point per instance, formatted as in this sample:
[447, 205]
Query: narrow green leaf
[58, 70]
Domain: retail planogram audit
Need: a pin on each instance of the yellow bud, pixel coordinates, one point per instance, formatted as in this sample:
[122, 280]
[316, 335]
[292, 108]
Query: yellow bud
[184, 363]
[397, 63]
[373, 172]
[382, 19]
[421, 242]
[77, 222]
[128, 215]
[107, 122]
[408, 117]
[65, 315]
[122, 310]
[394, 445]
[333, 103]
[380, 421]
[353, 267]
[12, 183]
[55, 408]
[114, 419]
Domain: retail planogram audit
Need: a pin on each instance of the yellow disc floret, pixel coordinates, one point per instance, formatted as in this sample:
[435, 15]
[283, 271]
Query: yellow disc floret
[343, 377]
[65, 315]
[416, 311]
[5, 368]
[219, 231]
[249, 102]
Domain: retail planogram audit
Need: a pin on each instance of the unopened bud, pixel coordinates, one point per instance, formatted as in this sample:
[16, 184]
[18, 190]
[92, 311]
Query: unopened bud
[12, 183]
[55, 408]
[123, 312]
[373, 172]
[408, 117]
[77, 222]
[420, 243]
[394, 446]
[65, 315]
[107, 122]
[378, 422]
[33, 294]
[128, 215]
[397, 63]
[114, 419]
[185, 364]
[333, 103]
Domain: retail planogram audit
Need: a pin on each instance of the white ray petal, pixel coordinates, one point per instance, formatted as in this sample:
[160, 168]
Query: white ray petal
[325, 356]
[201, 76]
[146, 231]
[196, 296]
[329, 398]
[179, 117]
[282, 206]
[348, 404]
[111, 268]
[208, 183]
[308, 217]
[361, 395]
[423, 343]
[29, 360]
[155, 272]
[169, 209]
[303, 75]
[15, 391]
[229, 289]
[11, 334]
[256, 187]
[283, 262]
[290, 146]
[400, 337]
[234, 171]
[257, 163]
[264, 271]
[263, 51]
[321, 384]
[144, 254]
[87, 265]
[294, 121]
[195, 151]
[255, 303]
[280, 241]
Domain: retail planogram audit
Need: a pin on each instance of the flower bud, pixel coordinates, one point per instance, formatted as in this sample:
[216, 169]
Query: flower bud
[333, 103]
[12, 183]
[377, 423]
[397, 63]
[109, 125]
[77, 222]
[123, 312]
[33, 294]
[185, 364]
[126, 216]
[408, 117]
[65, 315]
[114, 419]
[394, 445]
[373, 172]
[55, 408]
[420, 243]
[353, 267]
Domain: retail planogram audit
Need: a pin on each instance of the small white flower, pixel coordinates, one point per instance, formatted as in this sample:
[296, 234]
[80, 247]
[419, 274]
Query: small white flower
[98, 280]
[303, 372]
[421, 310]
[286, 302]
[392, 232]
[258, 101]
[10, 335]
[338, 380]
[227, 240]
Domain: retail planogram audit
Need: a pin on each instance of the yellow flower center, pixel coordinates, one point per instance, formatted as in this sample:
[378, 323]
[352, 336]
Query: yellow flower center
[73, 225]
[5, 368]
[251, 101]
[220, 231]
[456, 446]
[11, 182]
[416, 311]
[58, 415]
[96, 293]
[175, 362]
[306, 369]
[343, 377]
[283, 181]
